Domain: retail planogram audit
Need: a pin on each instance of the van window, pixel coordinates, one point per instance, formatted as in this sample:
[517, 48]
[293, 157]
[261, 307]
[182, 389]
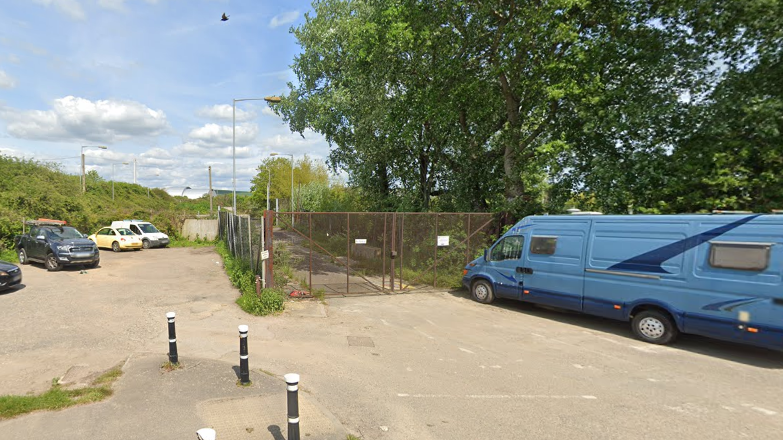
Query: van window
[509, 248]
[135, 229]
[739, 255]
[544, 245]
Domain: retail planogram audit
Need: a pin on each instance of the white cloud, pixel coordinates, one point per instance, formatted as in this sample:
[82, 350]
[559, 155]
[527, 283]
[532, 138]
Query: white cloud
[72, 119]
[215, 136]
[193, 149]
[71, 8]
[268, 111]
[6, 81]
[13, 59]
[114, 5]
[284, 18]
[223, 112]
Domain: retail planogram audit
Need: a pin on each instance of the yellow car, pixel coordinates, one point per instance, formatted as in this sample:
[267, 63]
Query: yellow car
[117, 239]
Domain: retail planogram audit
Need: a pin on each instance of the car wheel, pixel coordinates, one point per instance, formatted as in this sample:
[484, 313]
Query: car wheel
[23, 256]
[115, 247]
[654, 327]
[145, 244]
[482, 292]
[94, 264]
[52, 265]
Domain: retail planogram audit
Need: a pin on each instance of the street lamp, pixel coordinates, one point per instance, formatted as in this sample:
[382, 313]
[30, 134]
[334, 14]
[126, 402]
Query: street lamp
[84, 176]
[183, 191]
[292, 182]
[270, 99]
[112, 178]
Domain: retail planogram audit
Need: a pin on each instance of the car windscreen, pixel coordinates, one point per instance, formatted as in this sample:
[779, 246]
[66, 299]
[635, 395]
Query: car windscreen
[147, 227]
[65, 233]
[125, 231]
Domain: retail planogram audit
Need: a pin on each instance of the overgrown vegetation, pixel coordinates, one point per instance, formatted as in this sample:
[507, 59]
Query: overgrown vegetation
[271, 300]
[58, 397]
[31, 189]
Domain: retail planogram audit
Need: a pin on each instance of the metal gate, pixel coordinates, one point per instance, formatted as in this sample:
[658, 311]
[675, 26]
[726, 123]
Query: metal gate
[347, 253]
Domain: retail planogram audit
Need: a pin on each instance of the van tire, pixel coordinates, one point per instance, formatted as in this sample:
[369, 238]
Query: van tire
[481, 291]
[654, 327]
[145, 243]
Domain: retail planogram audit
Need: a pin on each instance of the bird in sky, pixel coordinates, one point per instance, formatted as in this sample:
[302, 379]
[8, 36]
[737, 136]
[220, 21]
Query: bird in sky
[224, 18]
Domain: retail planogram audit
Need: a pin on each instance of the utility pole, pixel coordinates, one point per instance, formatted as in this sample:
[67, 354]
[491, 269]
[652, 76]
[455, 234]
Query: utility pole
[210, 190]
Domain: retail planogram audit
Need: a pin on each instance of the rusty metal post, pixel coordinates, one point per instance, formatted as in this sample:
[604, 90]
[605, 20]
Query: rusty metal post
[348, 256]
[402, 245]
[467, 251]
[310, 221]
[393, 249]
[383, 265]
[435, 271]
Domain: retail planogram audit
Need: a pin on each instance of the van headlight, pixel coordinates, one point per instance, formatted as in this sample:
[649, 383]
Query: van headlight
[64, 248]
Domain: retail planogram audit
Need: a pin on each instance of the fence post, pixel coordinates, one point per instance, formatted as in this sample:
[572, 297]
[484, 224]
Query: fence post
[292, 380]
[348, 256]
[244, 370]
[173, 357]
[435, 271]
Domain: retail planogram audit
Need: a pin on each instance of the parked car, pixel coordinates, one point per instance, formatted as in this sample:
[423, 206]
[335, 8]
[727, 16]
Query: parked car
[116, 239]
[150, 235]
[56, 245]
[10, 275]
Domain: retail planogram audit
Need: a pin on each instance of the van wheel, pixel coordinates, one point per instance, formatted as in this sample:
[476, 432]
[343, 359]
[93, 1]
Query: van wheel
[145, 244]
[482, 292]
[654, 327]
[52, 264]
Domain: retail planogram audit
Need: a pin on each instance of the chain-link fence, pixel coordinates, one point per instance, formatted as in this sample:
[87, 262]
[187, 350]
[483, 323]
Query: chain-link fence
[361, 252]
[356, 252]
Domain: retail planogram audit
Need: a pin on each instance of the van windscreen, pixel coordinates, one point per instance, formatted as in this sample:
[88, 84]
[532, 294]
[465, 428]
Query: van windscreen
[147, 228]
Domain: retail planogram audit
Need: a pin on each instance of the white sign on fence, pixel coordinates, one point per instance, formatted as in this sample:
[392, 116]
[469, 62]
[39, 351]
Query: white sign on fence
[264, 255]
[443, 240]
[361, 241]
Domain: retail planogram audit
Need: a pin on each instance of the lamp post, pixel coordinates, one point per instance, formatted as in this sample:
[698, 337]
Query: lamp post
[183, 191]
[84, 176]
[112, 178]
[271, 99]
[292, 182]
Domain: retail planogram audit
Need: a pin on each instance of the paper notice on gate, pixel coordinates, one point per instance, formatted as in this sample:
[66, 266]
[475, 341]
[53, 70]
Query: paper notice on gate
[361, 241]
[264, 255]
[443, 240]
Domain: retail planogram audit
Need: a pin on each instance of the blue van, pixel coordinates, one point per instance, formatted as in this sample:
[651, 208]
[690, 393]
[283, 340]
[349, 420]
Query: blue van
[715, 275]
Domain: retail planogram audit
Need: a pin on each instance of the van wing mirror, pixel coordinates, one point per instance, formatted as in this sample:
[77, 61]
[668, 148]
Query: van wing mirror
[486, 254]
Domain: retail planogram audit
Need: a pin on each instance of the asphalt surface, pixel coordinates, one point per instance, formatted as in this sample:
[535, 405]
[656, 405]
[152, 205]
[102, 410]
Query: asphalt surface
[426, 365]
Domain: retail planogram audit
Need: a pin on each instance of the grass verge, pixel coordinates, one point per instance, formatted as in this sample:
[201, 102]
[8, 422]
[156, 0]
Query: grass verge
[57, 397]
[271, 300]
[197, 243]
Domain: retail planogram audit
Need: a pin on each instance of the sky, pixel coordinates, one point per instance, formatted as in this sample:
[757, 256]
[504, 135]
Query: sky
[152, 80]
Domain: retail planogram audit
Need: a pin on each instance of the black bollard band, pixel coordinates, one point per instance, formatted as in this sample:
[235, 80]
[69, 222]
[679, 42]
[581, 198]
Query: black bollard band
[173, 357]
[292, 379]
[244, 369]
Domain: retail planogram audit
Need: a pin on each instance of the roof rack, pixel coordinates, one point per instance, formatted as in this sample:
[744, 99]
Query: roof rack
[575, 211]
[721, 211]
[46, 222]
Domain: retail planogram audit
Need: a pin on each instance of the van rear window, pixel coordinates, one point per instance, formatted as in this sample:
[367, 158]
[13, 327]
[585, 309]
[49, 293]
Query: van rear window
[739, 255]
[544, 245]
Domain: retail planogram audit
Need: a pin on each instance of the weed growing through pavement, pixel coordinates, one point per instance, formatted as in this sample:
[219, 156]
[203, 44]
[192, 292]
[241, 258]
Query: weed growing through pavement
[58, 397]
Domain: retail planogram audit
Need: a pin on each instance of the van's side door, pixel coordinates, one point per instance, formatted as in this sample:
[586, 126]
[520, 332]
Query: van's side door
[553, 264]
[502, 261]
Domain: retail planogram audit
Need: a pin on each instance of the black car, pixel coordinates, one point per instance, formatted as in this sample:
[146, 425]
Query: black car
[10, 275]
